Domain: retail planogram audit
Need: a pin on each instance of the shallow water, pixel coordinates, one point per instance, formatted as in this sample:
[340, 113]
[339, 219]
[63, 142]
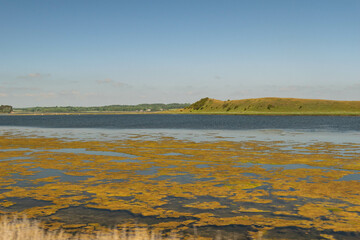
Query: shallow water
[282, 183]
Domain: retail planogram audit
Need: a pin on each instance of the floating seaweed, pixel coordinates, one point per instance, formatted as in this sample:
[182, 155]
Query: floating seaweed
[269, 185]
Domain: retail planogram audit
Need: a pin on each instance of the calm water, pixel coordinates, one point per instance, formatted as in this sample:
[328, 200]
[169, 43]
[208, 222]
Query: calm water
[171, 121]
[336, 129]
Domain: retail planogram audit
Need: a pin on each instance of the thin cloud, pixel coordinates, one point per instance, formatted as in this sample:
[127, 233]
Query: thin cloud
[37, 95]
[105, 81]
[34, 76]
[70, 93]
[77, 94]
[217, 77]
[108, 81]
[14, 89]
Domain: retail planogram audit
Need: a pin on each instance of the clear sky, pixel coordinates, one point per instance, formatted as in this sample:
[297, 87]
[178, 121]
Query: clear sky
[101, 52]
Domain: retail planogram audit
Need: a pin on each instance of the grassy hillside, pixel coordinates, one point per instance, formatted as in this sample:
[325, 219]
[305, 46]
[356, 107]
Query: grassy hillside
[275, 106]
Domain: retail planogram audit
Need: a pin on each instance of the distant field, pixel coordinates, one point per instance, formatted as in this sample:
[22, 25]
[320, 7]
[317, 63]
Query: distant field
[156, 107]
[274, 106]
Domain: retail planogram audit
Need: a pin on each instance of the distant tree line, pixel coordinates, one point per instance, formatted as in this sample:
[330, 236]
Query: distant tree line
[6, 109]
[110, 108]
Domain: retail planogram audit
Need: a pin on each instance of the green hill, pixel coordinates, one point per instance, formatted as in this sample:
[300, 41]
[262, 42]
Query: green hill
[275, 106]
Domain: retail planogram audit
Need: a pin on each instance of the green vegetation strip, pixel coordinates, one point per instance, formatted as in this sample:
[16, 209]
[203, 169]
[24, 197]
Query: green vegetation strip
[111, 108]
[274, 106]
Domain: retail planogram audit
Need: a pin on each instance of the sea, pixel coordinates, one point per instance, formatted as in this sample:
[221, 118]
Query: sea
[192, 127]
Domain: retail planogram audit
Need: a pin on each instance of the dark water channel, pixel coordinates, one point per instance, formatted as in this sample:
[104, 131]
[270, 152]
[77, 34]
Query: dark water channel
[185, 121]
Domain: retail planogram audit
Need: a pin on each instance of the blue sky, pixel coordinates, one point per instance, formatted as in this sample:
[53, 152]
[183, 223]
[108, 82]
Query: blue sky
[82, 53]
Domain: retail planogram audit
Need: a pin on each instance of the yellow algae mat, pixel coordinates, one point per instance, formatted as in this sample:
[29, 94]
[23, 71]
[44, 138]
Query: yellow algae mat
[173, 184]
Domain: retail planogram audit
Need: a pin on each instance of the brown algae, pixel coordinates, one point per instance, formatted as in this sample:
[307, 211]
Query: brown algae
[183, 183]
